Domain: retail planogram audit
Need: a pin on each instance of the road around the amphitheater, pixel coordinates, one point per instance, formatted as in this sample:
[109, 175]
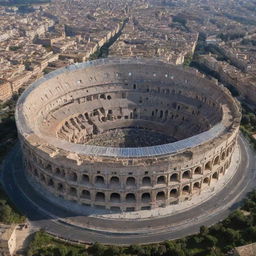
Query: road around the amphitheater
[55, 220]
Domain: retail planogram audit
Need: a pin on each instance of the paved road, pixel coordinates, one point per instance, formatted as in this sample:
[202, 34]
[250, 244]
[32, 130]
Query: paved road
[42, 214]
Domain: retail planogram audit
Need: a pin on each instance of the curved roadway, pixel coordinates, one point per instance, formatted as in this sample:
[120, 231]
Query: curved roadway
[43, 214]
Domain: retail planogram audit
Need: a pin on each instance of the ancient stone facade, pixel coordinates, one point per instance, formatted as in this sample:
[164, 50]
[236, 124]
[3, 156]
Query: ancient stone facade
[60, 116]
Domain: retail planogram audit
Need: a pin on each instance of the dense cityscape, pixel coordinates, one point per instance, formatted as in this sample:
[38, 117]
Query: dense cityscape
[214, 40]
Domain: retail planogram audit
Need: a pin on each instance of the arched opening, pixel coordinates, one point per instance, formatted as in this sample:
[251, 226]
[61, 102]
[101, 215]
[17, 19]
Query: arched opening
[160, 196]
[134, 86]
[216, 160]
[223, 156]
[208, 166]
[186, 175]
[161, 180]
[146, 181]
[60, 187]
[86, 194]
[161, 114]
[174, 192]
[130, 181]
[145, 197]
[58, 172]
[109, 97]
[206, 180]
[196, 186]
[115, 198]
[42, 178]
[103, 96]
[185, 190]
[72, 191]
[85, 179]
[50, 183]
[215, 176]
[130, 198]
[49, 167]
[198, 170]
[99, 180]
[73, 176]
[174, 177]
[100, 197]
[165, 114]
[222, 170]
[114, 181]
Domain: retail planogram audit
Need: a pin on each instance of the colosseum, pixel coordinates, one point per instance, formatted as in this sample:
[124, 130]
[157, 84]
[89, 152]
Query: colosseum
[126, 134]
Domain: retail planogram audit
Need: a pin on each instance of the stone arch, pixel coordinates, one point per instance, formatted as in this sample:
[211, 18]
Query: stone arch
[215, 176]
[223, 155]
[73, 176]
[50, 182]
[59, 172]
[216, 160]
[85, 194]
[85, 179]
[146, 197]
[103, 96]
[48, 167]
[174, 192]
[186, 189]
[72, 191]
[146, 181]
[115, 198]
[208, 166]
[114, 181]
[100, 197]
[206, 180]
[196, 185]
[161, 180]
[174, 177]
[130, 181]
[161, 114]
[186, 175]
[99, 179]
[60, 187]
[160, 196]
[198, 170]
[42, 178]
[130, 198]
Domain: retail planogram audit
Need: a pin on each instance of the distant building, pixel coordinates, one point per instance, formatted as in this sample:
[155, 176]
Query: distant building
[246, 250]
[7, 240]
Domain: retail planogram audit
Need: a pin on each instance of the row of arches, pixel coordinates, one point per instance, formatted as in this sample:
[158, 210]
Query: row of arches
[129, 197]
[114, 181]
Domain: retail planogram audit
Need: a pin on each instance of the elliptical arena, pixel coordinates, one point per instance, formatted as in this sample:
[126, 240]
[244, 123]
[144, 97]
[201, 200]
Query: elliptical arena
[126, 134]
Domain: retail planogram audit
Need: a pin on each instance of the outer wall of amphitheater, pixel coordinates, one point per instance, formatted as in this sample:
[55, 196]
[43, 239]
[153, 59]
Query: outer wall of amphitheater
[132, 183]
[129, 187]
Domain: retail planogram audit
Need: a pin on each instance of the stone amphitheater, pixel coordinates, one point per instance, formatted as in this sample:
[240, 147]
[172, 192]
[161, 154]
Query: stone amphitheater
[126, 134]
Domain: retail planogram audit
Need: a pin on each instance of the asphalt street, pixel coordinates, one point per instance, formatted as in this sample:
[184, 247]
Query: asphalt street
[56, 220]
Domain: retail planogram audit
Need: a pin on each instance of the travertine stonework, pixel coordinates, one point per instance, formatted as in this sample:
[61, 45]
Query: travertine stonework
[68, 120]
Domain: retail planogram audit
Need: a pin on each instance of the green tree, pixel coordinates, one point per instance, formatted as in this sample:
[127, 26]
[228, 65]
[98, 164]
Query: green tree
[97, 249]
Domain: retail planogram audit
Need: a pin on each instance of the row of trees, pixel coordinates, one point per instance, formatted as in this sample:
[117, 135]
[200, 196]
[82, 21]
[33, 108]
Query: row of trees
[8, 135]
[248, 125]
[8, 213]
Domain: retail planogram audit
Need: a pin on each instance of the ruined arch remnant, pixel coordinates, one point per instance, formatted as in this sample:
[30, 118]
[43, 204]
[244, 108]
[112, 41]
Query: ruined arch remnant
[125, 134]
